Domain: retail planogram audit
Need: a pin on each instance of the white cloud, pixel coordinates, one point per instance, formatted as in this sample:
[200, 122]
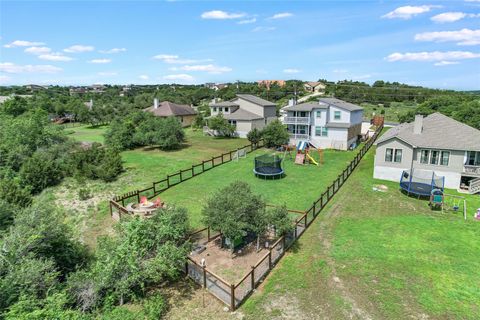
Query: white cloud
[210, 68]
[262, 29]
[179, 77]
[144, 77]
[221, 15]
[445, 63]
[100, 61]
[55, 56]
[10, 67]
[247, 21]
[23, 43]
[407, 12]
[448, 17]
[432, 56]
[175, 59]
[37, 50]
[340, 71]
[113, 50]
[291, 70]
[107, 73]
[281, 15]
[78, 48]
[464, 37]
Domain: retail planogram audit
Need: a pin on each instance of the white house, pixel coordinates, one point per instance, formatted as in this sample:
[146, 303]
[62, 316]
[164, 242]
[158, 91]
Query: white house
[329, 123]
[246, 112]
[434, 143]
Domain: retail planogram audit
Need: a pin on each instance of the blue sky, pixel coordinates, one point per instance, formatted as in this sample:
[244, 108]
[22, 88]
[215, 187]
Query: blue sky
[430, 43]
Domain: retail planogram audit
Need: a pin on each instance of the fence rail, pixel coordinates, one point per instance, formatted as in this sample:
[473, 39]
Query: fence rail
[233, 295]
[118, 203]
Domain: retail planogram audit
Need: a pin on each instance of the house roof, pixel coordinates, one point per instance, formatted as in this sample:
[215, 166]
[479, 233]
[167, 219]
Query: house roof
[256, 100]
[307, 106]
[340, 103]
[241, 114]
[314, 83]
[338, 125]
[224, 104]
[167, 108]
[439, 132]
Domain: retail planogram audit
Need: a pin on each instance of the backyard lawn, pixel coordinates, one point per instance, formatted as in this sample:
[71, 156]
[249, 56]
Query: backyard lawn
[301, 185]
[369, 255]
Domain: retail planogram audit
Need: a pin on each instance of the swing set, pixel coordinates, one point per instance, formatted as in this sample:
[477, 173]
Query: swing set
[448, 202]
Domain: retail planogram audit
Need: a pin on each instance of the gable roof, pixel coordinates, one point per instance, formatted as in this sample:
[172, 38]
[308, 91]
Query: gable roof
[241, 114]
[224, 104]
[167, 109]
[314, 83]
[340, 103]
[256, 100]
[439, 132]
[307, 106]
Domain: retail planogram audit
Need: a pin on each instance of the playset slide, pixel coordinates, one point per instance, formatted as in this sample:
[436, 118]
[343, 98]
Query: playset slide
[312, 160]
[299, 158]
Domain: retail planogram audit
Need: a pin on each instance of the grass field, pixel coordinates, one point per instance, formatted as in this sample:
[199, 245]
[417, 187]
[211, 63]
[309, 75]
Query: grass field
[391, 113]
[369, 255]
[86, 133]
[301, 185]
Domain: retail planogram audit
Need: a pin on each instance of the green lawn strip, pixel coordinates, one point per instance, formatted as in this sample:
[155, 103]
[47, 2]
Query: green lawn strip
[298, 189]
[396, 256]
[87, 133]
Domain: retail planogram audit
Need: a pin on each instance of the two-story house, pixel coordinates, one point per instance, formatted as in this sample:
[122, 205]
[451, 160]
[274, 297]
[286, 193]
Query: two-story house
[246, 112]
[330, 123]
[434, 143]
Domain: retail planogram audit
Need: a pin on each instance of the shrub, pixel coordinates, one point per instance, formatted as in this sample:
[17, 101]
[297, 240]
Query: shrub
[154, 307]
[13, 193]
[275, 134]
[7, 214]
[84, 194]
[40, 171]
[254, 136]
[221, 125]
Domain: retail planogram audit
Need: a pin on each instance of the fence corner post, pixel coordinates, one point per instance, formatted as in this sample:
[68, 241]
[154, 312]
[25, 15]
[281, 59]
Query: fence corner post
[232, 297]
[204, 277]
[253, 277]
[270, 258]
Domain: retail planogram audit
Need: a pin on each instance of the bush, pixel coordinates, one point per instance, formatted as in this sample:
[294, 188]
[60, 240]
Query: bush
[221, 125]
[84, 194]
[275, 134]
[7, 214]
[40, 171]
[13, 193]
[154, 307]
[254, 136]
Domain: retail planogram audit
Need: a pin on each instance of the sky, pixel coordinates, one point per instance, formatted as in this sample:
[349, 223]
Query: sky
[429, 43]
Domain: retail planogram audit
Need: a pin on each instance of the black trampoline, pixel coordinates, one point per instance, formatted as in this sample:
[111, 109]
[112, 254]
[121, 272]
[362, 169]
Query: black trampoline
[268, 165]
[421, 182]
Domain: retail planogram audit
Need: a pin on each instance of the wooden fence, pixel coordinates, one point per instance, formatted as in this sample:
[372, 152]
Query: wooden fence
[117, 205]
[234, 294]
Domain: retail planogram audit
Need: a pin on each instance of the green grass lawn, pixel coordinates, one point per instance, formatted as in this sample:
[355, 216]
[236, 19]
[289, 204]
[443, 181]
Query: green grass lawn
[86, 133]
[379, 255]
[391, 113]
[298, 189]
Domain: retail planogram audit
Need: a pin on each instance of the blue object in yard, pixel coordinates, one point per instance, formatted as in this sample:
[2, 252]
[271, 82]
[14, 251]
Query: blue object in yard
[302, 145]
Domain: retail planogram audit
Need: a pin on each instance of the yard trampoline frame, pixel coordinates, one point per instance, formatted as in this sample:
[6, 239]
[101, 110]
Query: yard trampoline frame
[421, 186]
[268, 166]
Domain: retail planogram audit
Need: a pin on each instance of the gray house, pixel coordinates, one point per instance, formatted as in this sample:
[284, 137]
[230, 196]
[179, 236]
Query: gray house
[246, 112]
[328, 123]
[435, 143]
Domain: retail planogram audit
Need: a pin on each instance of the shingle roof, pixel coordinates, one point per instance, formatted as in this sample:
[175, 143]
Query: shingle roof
[314, 83]
[305, 107]
[224, 104]
[439, 131]
[167, 109]
[257, 100]
[241, 114]
[338, 125]
[340, 103]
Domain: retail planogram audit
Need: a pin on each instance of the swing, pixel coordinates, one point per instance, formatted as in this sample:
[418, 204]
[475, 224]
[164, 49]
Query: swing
[456, 205]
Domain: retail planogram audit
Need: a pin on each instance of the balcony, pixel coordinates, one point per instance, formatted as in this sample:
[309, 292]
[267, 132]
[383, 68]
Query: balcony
[297, 120]
[473, 170]
[299, 136]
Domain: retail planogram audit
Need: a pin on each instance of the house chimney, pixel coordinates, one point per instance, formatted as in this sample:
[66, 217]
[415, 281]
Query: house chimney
[155, 103]
[418, 124]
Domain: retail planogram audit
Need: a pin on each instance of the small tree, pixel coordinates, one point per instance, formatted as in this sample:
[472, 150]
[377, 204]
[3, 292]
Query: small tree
[254, 136]
[234, 210]
[278, 217]
[221, 125]
[199, 121]
[275, 134]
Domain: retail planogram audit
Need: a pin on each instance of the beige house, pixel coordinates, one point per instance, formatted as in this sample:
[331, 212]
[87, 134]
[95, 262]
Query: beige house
[246, 112]
[314, 87]
[435, 143]
[184, 113]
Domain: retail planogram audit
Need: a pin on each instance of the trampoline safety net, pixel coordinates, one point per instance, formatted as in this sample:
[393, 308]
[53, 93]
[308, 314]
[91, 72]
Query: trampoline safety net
[421, 182]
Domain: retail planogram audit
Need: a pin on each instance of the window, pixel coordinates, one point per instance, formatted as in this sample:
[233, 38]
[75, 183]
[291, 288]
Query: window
[319, 114]
[219, 109]
[398, 155]
[424, 155]
[473, 158]
[445, 158]
[388, 155]
[303, 114]
[226, 109]
[337, 115]
[214, 109]
[321, 131]
[434, 157]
